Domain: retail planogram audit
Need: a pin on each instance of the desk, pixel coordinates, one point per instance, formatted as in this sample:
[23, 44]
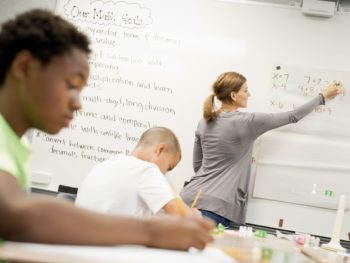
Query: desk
[324, 256]
[250, 249]
[260, 250]
[38, 253]
[239, 249]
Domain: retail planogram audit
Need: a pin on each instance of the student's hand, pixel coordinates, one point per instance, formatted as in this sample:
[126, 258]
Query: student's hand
[332, 91]
[194, 212]
[174, 232]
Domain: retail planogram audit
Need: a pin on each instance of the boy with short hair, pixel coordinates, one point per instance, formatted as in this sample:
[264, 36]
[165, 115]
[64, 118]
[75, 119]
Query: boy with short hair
[135, 185]
[43, 68]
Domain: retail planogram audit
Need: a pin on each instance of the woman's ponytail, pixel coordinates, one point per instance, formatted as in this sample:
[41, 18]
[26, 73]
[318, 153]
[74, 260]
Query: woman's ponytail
[209, 112]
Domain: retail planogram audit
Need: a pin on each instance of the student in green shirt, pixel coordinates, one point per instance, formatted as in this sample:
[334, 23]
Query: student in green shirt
[43, 68]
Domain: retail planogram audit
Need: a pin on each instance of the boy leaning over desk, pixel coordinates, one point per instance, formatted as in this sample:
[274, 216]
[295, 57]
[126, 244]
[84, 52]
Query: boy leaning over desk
[135, 185]
[43, 68]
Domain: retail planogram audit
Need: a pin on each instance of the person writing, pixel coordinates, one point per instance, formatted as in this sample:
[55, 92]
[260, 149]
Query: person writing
[135, 185]
[43, 68]
[223, 147]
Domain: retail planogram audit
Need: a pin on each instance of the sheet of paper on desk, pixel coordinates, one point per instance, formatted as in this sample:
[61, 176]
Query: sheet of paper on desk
[325, 256]
[125, 254]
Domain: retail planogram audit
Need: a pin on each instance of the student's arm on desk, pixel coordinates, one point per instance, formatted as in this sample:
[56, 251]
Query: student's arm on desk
[178, 207]
[44, 220]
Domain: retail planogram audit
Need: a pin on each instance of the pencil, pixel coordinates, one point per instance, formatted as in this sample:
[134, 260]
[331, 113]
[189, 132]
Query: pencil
[178, 201]
[196, 198]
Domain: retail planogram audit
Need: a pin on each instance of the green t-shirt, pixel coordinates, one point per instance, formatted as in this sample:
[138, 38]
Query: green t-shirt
[15, 154]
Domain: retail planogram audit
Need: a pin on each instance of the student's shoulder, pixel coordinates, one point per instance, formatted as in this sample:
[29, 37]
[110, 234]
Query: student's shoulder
[146, 168]
[130, 161]
[111, 162]
[146, 165]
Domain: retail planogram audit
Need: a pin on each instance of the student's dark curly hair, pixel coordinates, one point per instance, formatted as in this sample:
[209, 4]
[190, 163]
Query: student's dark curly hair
[41, 32]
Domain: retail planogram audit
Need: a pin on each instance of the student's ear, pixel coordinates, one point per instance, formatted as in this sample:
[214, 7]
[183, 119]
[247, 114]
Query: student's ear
[161, 147]
[233, 96]
[22, 64]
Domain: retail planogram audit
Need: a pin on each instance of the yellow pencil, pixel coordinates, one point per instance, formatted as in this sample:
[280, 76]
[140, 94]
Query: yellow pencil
[196, 198]
[179, 203]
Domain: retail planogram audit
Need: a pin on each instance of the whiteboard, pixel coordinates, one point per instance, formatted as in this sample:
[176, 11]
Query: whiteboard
[153, 64]
[148, 69]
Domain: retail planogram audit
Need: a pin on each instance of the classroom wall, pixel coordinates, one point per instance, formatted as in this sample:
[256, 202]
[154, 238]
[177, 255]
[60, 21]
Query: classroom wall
[12, 7]
[182, 46]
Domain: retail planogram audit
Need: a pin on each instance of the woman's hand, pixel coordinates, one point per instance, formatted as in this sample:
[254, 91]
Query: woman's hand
[333, 90]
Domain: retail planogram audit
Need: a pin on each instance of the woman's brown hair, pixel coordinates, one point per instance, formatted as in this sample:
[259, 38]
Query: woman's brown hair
[222, 88]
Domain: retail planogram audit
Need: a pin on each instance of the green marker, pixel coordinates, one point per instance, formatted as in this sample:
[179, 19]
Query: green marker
[260, 233]
[328, 193]
[219, 229]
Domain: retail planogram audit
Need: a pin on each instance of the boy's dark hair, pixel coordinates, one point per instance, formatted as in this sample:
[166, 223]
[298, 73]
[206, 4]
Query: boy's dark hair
[42, 33]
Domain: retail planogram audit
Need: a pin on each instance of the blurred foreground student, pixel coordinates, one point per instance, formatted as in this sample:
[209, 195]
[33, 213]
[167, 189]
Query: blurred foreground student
[223, 147]
[135, 185]
[43, 68]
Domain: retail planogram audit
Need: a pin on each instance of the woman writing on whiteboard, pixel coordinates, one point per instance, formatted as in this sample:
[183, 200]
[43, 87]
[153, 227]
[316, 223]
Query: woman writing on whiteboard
[223, 147]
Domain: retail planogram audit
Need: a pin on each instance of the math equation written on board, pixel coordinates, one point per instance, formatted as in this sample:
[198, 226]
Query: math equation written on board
[293, 85]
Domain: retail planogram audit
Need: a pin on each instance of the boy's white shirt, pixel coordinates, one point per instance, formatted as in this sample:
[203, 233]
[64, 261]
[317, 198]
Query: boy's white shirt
[125, 185]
